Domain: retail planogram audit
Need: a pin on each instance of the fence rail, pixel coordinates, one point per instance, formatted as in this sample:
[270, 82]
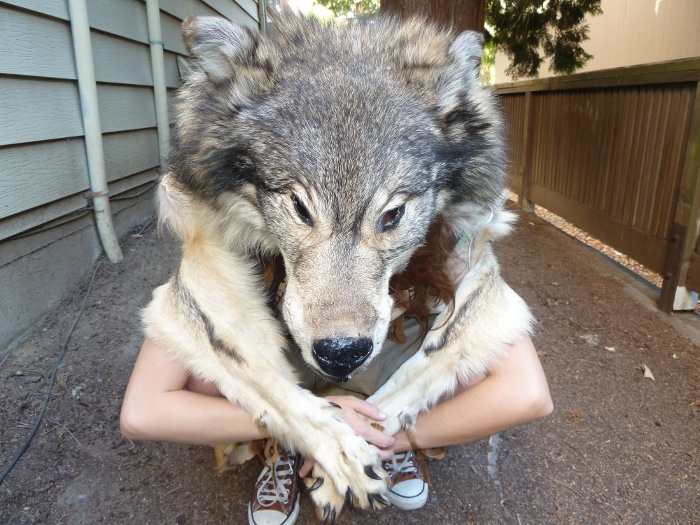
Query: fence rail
[617, 153]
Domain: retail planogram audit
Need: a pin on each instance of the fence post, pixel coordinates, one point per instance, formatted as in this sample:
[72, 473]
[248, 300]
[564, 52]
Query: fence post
[528, 141]
[679, 273]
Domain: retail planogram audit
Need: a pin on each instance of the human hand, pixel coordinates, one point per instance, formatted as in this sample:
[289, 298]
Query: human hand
[352, 410]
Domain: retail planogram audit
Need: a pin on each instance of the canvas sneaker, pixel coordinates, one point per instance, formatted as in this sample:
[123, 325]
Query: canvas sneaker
[275, 498]
[409, 491]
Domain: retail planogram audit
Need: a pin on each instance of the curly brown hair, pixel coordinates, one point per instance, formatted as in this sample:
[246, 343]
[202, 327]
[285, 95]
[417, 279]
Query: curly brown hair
[425, 281]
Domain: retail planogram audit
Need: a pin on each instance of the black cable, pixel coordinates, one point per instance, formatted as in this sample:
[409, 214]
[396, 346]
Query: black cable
[53, 378]
[75, 215]
[138, 193]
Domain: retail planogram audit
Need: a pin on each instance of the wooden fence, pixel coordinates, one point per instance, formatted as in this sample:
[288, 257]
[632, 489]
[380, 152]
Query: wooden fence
[617, 153]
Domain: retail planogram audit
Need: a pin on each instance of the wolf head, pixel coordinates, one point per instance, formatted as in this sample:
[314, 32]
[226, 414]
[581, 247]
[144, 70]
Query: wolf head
[337, 147]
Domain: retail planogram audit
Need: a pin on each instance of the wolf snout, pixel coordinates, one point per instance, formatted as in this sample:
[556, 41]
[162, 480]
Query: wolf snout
[338, 357]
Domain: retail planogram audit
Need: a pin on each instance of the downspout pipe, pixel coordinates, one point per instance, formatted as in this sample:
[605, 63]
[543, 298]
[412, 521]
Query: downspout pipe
[262, 16]
[155, 38]
[87, 86]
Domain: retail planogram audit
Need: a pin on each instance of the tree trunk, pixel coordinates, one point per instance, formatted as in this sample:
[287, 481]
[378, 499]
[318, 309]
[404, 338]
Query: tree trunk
[458, 15]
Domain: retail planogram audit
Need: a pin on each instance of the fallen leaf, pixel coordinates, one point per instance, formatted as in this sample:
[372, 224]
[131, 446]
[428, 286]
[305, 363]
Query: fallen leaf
[610, 348]
[697, 403]
[647, 372]
[575, 415]
[434, 453]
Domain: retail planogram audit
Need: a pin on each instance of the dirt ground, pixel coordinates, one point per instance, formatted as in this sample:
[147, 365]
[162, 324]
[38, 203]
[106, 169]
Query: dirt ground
[619, 448]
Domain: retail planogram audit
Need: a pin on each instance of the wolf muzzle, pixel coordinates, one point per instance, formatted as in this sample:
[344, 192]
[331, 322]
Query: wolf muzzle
[340, 357]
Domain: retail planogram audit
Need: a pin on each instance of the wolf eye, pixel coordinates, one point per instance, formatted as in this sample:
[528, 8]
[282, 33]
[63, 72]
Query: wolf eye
[391, 218]
[302, 211]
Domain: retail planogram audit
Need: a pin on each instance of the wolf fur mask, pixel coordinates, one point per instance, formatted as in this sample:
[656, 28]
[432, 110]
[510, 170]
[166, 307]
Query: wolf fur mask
[336, 148]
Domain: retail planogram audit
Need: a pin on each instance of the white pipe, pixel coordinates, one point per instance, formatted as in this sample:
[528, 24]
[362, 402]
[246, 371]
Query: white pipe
[160, 93]
[87, 86]
[262, 16]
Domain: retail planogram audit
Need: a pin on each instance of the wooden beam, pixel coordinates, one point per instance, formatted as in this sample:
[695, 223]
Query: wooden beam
[686, 70]
[688, 202]
[648, 250]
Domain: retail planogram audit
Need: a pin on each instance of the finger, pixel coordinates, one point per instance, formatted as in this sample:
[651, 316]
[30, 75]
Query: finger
[374, 436]
[386, 453]
[368, 409]
[305, 469]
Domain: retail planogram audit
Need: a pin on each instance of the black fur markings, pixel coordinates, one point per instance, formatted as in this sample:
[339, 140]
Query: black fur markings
[193, 309]
[457, 319]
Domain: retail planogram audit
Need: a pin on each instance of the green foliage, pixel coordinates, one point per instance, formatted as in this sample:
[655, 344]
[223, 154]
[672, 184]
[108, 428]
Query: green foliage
[356, 7]
[527, 31]
[530, 30]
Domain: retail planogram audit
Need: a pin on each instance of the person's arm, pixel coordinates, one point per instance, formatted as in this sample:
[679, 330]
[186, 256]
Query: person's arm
[159, 407]
[513, 393]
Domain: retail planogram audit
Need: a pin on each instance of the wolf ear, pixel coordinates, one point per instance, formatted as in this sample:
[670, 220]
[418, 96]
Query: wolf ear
[443, 71]
[461, 74]
[227, 52]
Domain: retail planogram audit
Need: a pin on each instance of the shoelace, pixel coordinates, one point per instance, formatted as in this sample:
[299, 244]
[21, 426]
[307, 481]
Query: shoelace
[400, 464]
[274, 487]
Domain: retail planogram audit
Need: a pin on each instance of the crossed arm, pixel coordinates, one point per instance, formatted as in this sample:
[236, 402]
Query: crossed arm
[164, 403]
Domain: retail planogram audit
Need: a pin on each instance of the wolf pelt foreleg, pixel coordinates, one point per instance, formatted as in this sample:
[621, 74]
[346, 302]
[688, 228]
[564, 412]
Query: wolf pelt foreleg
[209, 317]
[488, 316]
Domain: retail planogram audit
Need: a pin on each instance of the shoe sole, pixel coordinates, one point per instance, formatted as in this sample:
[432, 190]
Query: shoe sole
[413, 503]
[291, 519]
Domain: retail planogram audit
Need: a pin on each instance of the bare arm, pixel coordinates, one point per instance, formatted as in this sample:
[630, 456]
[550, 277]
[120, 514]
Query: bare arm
[164, 403]
[513, 393]
[157, 407]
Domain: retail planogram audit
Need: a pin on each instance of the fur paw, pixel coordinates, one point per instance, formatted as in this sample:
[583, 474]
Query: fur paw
[399, 416]
[365, 488]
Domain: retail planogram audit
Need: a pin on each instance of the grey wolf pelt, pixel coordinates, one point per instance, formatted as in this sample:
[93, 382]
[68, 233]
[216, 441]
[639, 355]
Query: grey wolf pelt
[335, 147]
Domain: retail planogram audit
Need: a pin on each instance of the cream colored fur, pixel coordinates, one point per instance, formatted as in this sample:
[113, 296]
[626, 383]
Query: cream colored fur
[262, 381]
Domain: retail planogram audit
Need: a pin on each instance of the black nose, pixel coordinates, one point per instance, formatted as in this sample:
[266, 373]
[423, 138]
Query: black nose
[339, 357]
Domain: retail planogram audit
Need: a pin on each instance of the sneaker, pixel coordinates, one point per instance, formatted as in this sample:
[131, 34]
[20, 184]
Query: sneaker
[409, 491]
[275, 496]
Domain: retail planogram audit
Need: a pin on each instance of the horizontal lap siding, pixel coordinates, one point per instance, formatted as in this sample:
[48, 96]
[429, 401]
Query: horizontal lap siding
[56, 8]
[142, 149]
[35, 46]
[38, 109]
[35, 174]
[42, 153]
[46, 226]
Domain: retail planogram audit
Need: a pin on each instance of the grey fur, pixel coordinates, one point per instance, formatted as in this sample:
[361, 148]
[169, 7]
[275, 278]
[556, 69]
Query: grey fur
[336, 147]
[331, 114]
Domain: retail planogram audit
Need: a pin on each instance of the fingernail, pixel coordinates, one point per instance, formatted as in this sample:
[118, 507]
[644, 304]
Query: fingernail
[382, 415]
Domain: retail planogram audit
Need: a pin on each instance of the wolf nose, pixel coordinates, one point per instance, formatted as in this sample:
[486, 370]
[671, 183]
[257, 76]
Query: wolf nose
[339, 357]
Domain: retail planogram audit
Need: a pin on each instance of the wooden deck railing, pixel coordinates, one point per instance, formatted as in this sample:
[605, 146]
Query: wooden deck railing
[617, 153]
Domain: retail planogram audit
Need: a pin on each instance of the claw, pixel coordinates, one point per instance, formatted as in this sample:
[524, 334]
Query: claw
[381, 499]
[326, 512]
[336, 405]
[371, 473]
[317, 484]
[371, 502]
[349, 500]
[332, 522]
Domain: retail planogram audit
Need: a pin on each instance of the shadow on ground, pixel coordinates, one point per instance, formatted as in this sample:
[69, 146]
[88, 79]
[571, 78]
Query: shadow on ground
[619, 448]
